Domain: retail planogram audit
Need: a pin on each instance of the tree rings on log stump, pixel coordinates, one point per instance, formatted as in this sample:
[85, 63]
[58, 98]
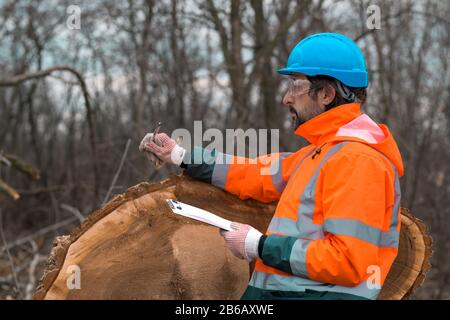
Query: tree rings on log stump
[134, 247]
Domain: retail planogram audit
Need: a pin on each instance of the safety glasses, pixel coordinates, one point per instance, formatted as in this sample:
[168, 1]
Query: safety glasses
[297, 87]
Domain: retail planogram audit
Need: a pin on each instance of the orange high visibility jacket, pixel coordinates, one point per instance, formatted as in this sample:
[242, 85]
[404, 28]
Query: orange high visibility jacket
[336, 226]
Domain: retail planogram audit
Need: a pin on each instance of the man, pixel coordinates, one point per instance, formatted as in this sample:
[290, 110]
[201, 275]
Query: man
[335, 231]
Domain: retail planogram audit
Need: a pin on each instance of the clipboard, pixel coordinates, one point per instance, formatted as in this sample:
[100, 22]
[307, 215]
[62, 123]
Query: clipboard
[198, 214]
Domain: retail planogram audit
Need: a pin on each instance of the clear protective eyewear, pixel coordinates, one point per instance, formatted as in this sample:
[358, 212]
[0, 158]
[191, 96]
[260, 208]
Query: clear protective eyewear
[298, 87]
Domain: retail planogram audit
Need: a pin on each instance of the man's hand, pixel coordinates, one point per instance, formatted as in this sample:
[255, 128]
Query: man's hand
[163, 148]
[243, 240]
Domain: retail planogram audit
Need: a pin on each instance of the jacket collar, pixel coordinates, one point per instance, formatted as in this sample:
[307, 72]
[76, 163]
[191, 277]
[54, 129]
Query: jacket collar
[323, 127]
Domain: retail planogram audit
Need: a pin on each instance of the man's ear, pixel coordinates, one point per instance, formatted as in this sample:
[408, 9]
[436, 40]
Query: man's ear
[327, 94]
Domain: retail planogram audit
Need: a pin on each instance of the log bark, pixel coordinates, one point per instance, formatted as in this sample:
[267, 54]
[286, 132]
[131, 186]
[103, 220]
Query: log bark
[135, 248]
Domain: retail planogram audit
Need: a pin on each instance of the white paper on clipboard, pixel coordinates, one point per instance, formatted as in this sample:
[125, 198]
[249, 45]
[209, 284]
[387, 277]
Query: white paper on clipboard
[195, 213]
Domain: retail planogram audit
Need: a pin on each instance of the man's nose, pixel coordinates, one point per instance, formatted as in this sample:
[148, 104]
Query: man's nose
[287, 99]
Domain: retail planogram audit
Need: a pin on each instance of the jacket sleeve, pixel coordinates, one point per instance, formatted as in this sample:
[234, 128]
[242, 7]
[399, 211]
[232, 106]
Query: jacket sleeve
[262, 178]
[360, 219]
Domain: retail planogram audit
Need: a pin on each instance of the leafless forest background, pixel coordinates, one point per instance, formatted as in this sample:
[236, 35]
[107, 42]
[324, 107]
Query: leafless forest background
[65, 130]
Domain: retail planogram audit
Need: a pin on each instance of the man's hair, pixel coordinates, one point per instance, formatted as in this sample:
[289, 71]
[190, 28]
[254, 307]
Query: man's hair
[320, 82]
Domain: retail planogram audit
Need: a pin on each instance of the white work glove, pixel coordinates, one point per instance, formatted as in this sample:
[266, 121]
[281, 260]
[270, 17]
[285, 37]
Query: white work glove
[150, 156]
[243, 240]
[164, 149]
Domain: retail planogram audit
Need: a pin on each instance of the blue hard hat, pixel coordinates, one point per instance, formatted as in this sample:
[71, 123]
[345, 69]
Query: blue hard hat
[329, 54]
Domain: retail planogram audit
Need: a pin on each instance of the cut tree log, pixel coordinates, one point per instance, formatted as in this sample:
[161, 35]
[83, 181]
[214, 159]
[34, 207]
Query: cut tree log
[135, 248]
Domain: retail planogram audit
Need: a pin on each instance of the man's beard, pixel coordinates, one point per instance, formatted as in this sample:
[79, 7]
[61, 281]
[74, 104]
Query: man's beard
[299, 118]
